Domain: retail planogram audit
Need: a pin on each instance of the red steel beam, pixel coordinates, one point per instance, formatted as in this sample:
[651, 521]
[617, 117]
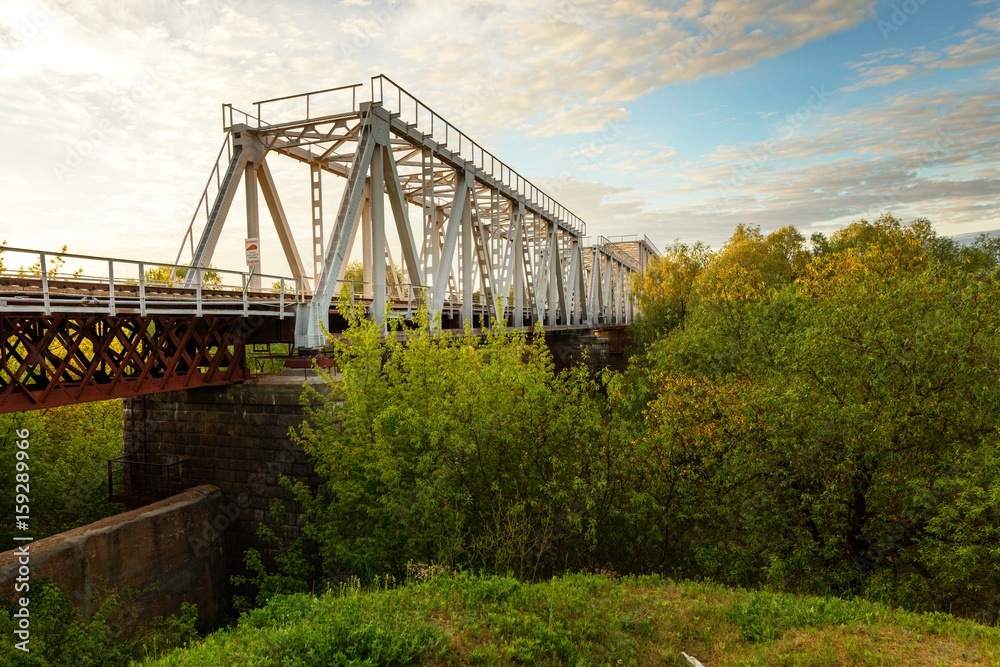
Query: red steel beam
[60, 359]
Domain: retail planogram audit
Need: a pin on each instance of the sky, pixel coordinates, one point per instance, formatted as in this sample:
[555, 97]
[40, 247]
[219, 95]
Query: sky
[677, 120]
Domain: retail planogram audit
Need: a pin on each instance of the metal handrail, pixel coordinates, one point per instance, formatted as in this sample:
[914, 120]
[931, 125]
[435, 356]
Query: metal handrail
[612, 249]
[203, 200]
[476, 154]
[143, 480]
[308, 98]
[54, 300]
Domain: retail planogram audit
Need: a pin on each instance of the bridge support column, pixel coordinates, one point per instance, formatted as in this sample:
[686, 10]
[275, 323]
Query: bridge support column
[235, 438]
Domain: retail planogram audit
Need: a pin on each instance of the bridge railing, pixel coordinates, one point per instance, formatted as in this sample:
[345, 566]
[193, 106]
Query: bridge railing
[412, 111]
[311, 106]
[51, 282]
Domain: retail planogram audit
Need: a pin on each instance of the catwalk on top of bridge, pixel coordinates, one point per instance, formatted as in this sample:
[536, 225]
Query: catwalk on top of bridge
[489, 244]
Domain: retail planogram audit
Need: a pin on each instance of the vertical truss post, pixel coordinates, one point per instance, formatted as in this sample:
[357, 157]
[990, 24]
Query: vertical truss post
[366, 241]
[308, 316]
[465, 262]
[460, 203]
[377, 257]
[519, 250]
[253, 218]
[316, 192]
[429, 251]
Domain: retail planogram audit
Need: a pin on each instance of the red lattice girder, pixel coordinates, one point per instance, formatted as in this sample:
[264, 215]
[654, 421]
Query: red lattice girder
[49, 360]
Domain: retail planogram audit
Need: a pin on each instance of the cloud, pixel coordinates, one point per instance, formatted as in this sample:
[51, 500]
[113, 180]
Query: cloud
[138, 86]
[975, 46]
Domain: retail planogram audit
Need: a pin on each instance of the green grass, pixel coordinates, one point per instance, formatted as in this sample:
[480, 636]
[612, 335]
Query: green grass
[585, 620]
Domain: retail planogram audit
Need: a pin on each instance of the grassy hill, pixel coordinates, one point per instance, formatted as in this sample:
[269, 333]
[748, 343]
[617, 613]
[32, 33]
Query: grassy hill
[585, 620]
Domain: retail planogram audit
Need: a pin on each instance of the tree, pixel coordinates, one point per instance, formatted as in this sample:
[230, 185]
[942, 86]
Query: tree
[425, 464]
[665, 291]
[851, 402]
[168, 276]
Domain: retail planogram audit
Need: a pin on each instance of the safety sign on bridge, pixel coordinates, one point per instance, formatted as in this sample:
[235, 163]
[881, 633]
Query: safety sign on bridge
[253, 253]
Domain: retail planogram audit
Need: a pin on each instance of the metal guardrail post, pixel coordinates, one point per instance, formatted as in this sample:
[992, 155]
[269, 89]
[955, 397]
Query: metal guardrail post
[45, 283]
[246, 304]
[197, 290]
[281, 300]
[111, 288]
[142, 290]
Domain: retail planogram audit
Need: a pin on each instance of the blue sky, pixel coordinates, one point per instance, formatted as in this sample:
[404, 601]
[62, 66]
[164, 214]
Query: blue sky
[677, 119]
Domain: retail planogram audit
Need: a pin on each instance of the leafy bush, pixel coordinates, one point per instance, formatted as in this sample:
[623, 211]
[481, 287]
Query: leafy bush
[818, 419]
[111, 637]
[69, 452]
[456, 451]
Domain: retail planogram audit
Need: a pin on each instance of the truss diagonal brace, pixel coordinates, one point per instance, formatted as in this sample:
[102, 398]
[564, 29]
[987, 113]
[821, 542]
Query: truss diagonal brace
[308, 334]
[270, 192]
[411, 257]
[217, 216]
[459, 205]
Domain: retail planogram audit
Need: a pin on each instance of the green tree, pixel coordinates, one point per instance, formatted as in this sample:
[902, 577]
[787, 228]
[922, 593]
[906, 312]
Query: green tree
[852, 404]
[168, 276]
[455, 451]
[69, 452]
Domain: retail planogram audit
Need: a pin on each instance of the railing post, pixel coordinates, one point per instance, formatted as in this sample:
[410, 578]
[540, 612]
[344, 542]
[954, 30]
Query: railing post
[142, 290]
[111, 288]
[246, 305]
[45, 283]
[197, 290]
[281, 301]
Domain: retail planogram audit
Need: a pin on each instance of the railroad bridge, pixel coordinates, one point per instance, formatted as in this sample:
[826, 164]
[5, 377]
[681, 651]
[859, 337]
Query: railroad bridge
[473, 242]
[476, 243]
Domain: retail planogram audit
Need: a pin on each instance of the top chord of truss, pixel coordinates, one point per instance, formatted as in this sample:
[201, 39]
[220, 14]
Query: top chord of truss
[298, 112]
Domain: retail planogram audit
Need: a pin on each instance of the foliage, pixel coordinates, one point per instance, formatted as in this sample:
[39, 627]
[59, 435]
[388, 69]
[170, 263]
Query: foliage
[168, 276]
[583, 620]
[69, 452]
[112, 636]
[816, 417]
[53, 265]
[424, 465]
[846, 406]
[665, 291]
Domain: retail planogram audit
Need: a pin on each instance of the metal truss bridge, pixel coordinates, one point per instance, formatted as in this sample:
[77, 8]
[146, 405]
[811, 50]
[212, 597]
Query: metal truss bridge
[477, 243]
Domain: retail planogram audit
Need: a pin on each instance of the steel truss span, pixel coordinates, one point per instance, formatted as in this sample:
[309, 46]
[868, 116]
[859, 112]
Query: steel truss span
[60, 359]
[478, 242]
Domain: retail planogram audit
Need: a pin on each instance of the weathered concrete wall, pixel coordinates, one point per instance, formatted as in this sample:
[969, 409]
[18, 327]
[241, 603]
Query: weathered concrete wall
[237, 438]
[147, 546]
